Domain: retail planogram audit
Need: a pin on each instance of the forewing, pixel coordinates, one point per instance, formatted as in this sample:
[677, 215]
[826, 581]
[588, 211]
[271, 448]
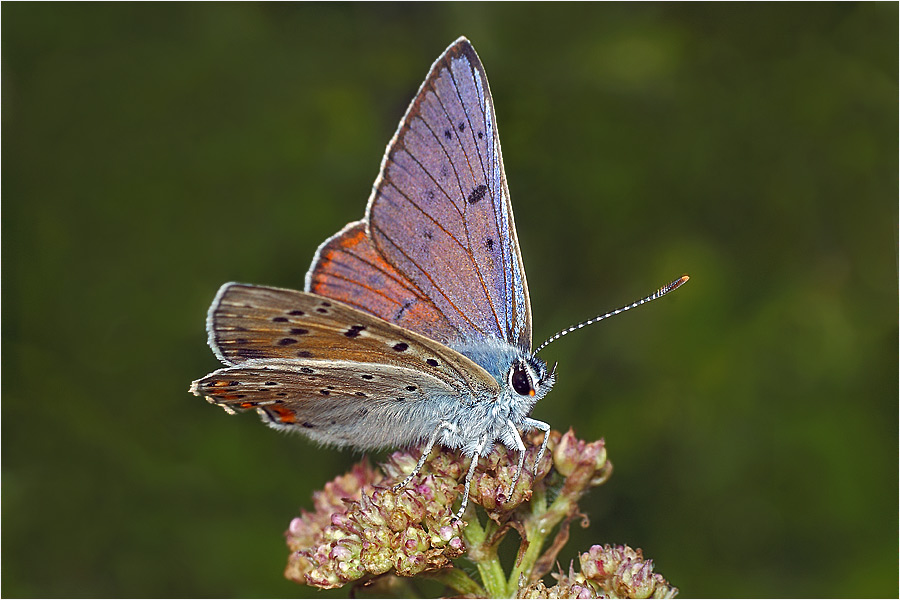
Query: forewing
[440, 213]
[249, 323]
[348, 267]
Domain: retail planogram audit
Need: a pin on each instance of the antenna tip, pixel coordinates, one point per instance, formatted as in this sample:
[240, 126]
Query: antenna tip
[674, 285]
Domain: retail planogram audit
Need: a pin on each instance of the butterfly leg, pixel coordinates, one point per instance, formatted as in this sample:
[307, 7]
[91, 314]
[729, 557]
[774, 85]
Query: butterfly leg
[520, 446]
[472, 465]
[534, 423]
[426, 452]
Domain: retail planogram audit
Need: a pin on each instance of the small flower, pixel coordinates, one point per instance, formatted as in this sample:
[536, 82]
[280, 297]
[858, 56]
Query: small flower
[622, 572]
[571, 454]
[573, 585]
[492, 483]
[303, 530]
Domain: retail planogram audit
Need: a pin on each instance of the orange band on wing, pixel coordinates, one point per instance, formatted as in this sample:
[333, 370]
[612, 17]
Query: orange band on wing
[349, 268]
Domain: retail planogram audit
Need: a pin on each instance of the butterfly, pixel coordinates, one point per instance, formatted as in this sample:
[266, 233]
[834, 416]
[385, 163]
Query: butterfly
[415, 322]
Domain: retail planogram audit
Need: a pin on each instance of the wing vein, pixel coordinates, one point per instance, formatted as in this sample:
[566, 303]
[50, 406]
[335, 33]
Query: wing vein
[462, 146]
[407, 284]
[497, 195]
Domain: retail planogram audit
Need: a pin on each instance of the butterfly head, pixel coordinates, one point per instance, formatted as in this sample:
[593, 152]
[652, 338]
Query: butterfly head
[523, 377]
[529, 377]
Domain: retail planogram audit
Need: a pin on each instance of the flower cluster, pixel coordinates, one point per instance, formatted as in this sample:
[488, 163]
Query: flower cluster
[363, 527]
[359, 529]
[606, 572]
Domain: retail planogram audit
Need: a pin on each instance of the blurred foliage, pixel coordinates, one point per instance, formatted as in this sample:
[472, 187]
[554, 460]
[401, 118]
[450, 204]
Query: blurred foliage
[152, 152]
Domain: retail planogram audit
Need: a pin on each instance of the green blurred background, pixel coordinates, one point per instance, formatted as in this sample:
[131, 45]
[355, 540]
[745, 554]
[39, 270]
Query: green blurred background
[152, 152]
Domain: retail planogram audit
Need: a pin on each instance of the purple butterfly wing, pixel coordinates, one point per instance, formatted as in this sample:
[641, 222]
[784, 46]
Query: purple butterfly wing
[440, 212]
[438, 251]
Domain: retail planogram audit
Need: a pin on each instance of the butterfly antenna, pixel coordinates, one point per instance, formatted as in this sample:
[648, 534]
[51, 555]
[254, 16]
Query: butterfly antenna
[657, 294]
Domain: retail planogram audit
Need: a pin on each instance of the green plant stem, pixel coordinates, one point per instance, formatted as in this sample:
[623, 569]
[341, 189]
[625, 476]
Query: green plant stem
[460, 581]
[534, 538]
[484, 555]
[537, 528]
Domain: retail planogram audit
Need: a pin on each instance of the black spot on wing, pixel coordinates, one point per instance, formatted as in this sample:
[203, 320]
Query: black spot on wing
[477, 194]
[354, 331]
[402, 310]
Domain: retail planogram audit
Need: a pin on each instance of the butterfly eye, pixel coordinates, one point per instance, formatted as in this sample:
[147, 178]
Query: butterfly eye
[521, 380]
